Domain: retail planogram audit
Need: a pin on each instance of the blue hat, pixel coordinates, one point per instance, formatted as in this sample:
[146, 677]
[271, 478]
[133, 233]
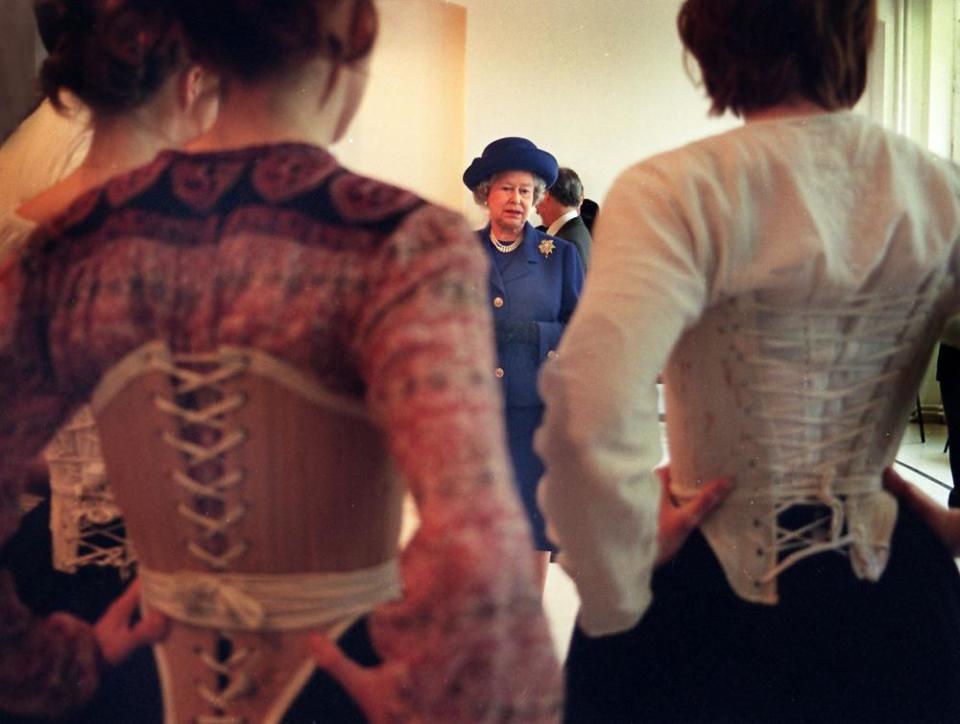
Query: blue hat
[511, 154]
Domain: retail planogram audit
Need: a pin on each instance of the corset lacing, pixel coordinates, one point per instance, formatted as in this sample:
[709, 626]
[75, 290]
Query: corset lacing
[815, 385]
[86, 525]
[205, 434]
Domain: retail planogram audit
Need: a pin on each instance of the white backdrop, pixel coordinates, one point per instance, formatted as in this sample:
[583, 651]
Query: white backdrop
[599, 83]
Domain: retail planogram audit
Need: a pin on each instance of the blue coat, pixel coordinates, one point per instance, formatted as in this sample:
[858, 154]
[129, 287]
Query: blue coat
[532, 294]
[539, 288]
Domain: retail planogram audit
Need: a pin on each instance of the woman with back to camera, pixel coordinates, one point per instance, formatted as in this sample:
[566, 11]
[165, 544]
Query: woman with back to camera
[265, 336]
[534, 283]
[790, 278]
[126, 64]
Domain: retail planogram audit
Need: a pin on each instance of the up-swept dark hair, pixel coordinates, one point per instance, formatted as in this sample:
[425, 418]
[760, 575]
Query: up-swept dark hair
[112, 56]
[254, 39]
[754, 54]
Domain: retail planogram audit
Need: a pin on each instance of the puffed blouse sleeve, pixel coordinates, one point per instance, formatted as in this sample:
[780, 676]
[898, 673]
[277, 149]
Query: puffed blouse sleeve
[470, 625]
[600, 437]
[48, 666]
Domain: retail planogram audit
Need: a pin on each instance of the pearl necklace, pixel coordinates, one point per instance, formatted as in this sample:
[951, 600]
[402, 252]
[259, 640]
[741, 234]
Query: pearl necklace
[505, 248]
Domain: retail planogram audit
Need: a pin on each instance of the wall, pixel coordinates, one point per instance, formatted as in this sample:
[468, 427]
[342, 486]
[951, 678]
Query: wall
[410, 127]
[17, 61]
[942, 47]
[598, 83]
[918, 46]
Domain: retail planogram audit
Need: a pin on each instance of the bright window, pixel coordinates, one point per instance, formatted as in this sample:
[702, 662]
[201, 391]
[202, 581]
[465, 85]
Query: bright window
[914, 72]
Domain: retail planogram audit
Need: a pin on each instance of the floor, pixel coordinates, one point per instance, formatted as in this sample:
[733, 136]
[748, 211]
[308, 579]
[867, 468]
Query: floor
[922, 463]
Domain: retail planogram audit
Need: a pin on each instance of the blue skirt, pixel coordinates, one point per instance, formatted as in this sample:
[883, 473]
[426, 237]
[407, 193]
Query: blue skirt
[522, 422]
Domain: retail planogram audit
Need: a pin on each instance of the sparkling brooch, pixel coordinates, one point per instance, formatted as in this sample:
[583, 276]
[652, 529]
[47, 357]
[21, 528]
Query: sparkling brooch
[546, 247]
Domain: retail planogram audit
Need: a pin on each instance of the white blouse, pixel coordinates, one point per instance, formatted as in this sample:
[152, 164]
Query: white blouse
[14, 232]
[790, 279]
[42, 150]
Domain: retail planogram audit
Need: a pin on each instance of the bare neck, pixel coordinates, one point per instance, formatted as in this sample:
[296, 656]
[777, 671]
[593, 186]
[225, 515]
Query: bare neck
[271, 112]
[119, 144]
[123, 143]
[793, 108]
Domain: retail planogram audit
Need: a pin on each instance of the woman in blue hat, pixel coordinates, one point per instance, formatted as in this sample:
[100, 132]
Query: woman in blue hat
[535, 281]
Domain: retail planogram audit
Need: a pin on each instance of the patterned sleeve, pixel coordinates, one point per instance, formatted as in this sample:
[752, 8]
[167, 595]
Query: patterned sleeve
[470, 625]
[48, 667]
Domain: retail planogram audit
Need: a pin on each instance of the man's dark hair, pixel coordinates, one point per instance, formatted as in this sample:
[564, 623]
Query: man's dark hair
[568, 190]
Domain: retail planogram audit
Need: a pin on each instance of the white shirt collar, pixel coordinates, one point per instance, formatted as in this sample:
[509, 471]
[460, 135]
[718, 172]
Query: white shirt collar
[560, 221]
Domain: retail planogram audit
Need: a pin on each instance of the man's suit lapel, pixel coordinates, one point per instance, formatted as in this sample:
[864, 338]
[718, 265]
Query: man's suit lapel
[567, 228]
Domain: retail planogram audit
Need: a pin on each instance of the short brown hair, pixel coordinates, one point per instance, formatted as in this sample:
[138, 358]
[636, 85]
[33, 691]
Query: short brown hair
[754, 54]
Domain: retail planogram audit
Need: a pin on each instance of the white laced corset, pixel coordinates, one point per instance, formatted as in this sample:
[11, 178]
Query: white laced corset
[86, 525]
[205, 396]
[819, 393]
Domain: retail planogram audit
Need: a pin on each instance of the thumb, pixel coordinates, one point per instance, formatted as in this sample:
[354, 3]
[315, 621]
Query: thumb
[123, 608]
[708, 498]
[663, 474]
[354, 678]
[920, 502]
[944, 523]
[150, 629]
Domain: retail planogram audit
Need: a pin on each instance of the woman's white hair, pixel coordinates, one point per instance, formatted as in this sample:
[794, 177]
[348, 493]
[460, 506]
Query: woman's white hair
[482, 189]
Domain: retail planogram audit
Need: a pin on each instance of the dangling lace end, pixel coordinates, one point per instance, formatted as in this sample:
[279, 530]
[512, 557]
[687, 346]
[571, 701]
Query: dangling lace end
[876, 514]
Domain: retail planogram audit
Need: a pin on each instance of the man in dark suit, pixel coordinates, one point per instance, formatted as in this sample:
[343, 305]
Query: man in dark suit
[559, 209]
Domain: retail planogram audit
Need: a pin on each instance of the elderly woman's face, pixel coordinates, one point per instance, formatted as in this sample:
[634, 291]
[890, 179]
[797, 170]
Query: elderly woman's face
[509, 201]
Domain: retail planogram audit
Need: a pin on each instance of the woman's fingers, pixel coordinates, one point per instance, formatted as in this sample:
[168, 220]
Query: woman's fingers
[663, 473]
[944, 523]
[707, 498]
[123, 608]
[353, 677]
[379, 691]
[115, 634]
[919, 502]
[678, 521]
[151, 628]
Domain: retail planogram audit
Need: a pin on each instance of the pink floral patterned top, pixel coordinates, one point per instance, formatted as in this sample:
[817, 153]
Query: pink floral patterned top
[379, 296]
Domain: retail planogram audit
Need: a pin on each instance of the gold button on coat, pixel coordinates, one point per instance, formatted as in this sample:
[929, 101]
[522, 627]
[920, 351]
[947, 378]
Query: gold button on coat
[499, 372]
[498, 302]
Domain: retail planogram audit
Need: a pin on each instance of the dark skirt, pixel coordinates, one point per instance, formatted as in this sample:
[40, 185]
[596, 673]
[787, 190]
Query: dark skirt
[522, 422]
[948, 374]
[834, 649]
